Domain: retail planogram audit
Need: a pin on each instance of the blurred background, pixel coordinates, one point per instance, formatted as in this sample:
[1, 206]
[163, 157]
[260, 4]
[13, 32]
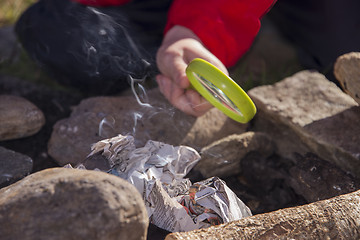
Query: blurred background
[270, 59]
[10, 10]
[13, 60]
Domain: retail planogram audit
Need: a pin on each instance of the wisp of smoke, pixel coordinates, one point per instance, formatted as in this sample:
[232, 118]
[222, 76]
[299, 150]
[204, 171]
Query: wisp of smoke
[107, 121]
[141, 88]
[128, 59]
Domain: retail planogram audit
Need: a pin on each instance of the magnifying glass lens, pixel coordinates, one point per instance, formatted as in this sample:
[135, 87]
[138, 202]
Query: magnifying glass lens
[220, 90]
[217, 93]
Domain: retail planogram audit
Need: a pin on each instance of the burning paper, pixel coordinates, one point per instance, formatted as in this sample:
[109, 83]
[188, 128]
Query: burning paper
[158, 171]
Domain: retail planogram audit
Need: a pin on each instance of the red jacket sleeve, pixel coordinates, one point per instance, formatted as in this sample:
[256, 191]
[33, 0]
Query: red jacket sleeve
[226, 27]
[102, 2]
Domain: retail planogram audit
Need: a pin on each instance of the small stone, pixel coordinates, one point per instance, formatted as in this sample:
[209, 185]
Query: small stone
[13, 166]
[347, 72]
[316, 179]
[62, 203]
[223, 157]
[19, 118]
[212, 126]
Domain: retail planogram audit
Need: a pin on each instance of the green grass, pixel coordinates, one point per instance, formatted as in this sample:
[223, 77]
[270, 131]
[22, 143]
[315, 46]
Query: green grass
[21, 65]
[10, 10]
[24, 68]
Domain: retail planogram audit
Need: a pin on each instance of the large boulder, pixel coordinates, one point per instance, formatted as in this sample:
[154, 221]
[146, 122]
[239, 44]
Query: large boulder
[62, 203]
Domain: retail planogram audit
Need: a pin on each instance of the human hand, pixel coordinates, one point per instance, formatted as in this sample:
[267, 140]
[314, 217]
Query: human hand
[180, 45]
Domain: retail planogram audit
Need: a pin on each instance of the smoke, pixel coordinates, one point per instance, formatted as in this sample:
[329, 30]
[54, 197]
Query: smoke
[98, 48]
[106, 124]
[142, 91]
[137, 116]
[111, 46]
[147, 111]
[120, 46]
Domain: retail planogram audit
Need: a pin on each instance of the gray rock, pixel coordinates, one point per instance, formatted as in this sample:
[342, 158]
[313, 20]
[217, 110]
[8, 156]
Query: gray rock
[212, 126]
[62, 203]
[13, 166]
[103, 117]
[316, 179]
[347, 71]
[19, 118]
[223, 157]
[307, 113]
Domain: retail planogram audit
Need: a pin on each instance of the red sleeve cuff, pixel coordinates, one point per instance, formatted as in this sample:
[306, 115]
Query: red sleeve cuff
[226, 27]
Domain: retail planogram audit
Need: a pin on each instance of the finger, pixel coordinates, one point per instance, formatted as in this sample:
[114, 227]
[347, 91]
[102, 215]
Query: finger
[203, 53]
[178, 99]
[199, 104]
[164, 87]
[191, 103]
[188, 101]
[170, 90]
[176, 96]
[174, 69]
[178, 73]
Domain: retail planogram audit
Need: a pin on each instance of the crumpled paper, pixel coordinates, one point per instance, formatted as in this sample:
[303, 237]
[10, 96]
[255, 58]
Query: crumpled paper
[158, 172]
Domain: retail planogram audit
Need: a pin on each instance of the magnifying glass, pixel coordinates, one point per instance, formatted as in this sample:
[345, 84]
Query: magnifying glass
[220, 90]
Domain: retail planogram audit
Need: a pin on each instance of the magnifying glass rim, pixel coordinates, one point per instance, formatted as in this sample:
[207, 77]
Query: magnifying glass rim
[223, 82]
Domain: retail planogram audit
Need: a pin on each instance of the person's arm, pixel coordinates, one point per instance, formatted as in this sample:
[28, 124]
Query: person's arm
[219, 31]
[226, 27]
[180, 45]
